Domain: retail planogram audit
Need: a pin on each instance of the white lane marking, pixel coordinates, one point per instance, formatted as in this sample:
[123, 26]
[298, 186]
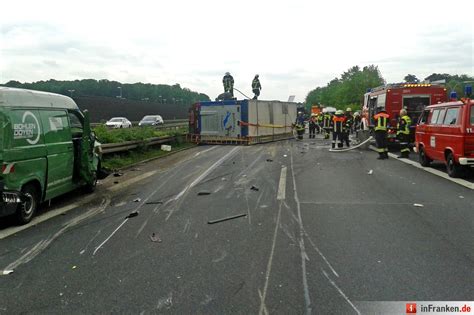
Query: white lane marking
[207, 172]
[282, 185]
[302, 247]
[90, 241]
[110, 236]
[38, 248]
[314, 245]
[433, 171]
[133, 180]
[207, 150]
[142, 227]
[340, 292]
[270, 262]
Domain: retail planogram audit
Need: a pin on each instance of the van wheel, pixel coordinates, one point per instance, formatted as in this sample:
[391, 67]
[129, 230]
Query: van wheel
[28, 208]
[90, 188]
[453, 168]
[423, 159]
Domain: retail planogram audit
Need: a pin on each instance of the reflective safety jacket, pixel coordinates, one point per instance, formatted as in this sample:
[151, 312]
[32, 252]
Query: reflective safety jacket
[338, 123]
[256, 84]
[403, 126]
[327, 121]
[348, 123]
[381, 121]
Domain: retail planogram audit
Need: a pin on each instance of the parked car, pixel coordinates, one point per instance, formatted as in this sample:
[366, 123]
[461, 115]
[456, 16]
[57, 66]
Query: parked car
[445, 132]
[118, 122]
[47, 150]
[151, 120]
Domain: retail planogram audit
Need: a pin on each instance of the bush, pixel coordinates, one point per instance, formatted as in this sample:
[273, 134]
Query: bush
[107, 135]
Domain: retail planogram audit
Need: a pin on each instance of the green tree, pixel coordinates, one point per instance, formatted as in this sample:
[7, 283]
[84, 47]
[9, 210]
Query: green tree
[411, 78]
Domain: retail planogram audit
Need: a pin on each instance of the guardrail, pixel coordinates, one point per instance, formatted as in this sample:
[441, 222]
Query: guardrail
[109, 148]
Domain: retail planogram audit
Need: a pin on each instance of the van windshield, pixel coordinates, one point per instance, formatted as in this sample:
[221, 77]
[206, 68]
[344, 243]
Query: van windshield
[149, 118]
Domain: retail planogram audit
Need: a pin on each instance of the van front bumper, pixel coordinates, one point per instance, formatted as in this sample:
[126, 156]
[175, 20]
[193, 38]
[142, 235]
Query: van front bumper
[9, 201]
[466, 161]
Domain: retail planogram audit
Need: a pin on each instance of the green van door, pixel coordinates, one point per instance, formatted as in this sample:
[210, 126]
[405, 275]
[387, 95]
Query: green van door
[60, 152]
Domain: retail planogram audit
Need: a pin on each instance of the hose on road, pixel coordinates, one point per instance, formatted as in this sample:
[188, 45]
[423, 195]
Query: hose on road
[351, 148]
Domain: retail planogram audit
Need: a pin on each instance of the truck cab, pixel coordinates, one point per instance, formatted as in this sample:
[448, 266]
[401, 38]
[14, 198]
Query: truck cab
[47, 149]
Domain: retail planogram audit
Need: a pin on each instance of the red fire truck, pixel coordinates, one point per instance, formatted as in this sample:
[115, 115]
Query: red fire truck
[414, 97]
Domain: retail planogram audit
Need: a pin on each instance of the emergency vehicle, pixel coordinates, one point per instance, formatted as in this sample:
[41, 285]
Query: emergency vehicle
[445, 132]
[393, 97]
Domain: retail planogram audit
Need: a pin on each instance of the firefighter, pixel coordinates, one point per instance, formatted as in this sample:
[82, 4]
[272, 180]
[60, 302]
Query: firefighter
[357, 123]
[256, 87]
[338, 122]
[312, 126]
[299, 125]
[381, 125]
[326, 124]
[228, 82]
[348, 125]
[403, 133]
[320, 123]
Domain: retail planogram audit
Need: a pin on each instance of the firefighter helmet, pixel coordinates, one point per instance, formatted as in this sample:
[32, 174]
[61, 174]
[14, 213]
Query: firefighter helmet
[339, 112]
[227, 73]
[349, 109]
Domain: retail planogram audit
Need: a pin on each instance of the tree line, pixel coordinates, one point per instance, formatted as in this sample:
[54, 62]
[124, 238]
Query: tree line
[158, 93]
[348, 89]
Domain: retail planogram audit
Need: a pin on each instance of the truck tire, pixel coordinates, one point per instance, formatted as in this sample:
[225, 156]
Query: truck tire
[27, 210]
[90, 188]
[423, 159]
[453, 168]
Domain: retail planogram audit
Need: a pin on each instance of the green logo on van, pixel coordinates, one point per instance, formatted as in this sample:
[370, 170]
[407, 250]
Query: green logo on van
[27, 129]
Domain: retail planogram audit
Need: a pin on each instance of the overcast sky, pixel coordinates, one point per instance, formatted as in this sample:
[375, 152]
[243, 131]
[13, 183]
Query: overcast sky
[294, 45]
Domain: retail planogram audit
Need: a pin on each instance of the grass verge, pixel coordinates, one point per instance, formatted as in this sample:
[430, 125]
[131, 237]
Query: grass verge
[116, 161]
[107, 135]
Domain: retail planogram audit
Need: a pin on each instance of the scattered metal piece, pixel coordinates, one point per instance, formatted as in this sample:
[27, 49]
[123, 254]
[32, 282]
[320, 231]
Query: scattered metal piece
[155, 238]
[6, 272]
[74, 267]
[132, 214]
[269, 160]
[227, 218]
[254, 188]
[117, 174]
[462, 197]
[418, 205]
[370, 172]
[284, 155]
[204, 193]
[137, 200]
[154, 202]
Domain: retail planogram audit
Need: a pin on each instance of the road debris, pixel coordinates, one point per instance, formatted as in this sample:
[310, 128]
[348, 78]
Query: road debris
[74, 267]
[269, 160]
[254, 188]
[370, 172]
[132, 214]
[204, 193]
[461, 197]
[6, 272]
[118, 174]
[154, 202]
[155, 238]
[418, 205]
[165, 147]
[137, 200]
[284, 155]
[116, 182]
[227, 218]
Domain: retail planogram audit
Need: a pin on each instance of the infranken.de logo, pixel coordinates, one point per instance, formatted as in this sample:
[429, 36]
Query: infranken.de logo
[27, 129]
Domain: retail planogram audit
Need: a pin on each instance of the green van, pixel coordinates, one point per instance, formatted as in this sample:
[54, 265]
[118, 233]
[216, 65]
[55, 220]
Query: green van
[47, 149]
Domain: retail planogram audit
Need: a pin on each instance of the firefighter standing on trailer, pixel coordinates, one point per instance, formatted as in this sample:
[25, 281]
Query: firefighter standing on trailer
[381, 125]
[228, 82]
[256, 87]
[338, 122]
[403, 133]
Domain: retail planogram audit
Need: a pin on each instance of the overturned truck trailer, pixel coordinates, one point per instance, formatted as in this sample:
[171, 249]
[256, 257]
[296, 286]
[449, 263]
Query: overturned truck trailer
[241, 122]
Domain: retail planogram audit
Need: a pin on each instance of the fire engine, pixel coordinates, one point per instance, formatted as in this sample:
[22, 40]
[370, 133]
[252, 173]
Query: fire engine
[414, 97]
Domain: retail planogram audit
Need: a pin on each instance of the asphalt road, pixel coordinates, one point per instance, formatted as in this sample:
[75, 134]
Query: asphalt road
[320, 235]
